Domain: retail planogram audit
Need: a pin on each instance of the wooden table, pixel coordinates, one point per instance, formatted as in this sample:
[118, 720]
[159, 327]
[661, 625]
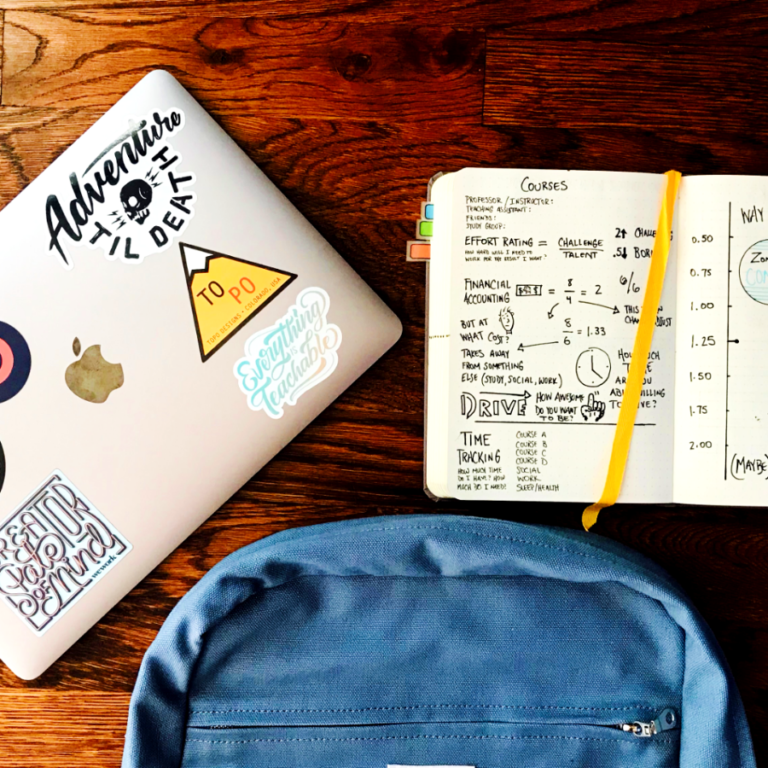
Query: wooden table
[350, 107]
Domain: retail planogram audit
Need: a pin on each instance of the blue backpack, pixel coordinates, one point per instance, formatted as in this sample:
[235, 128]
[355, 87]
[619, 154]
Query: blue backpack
[435, 641]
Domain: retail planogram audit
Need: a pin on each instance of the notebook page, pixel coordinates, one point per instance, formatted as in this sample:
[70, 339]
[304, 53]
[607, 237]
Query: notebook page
[548, 270]
[721, 423]
[438, 334]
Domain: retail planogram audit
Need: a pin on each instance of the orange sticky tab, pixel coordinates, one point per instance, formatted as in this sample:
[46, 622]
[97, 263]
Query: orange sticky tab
[418, 250]
[642, 347]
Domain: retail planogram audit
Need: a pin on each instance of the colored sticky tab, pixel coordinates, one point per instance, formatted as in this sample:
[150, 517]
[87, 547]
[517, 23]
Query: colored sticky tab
[642, 347]
[418, 250]
[226, 292]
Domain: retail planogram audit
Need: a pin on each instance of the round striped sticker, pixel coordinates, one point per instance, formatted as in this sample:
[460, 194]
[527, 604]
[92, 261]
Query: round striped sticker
[15, 362]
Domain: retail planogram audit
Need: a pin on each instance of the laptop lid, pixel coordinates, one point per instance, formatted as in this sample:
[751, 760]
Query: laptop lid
[168, 322]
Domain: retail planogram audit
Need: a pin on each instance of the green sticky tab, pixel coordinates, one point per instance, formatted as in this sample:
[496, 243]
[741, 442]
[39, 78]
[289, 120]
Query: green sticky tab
[425, 229]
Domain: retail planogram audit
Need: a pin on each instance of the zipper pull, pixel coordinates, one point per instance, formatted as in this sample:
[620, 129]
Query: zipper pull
[666, 721]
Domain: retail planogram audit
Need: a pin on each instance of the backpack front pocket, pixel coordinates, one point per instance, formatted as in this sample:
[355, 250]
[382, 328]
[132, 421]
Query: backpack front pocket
[487, 744]
[361, 672]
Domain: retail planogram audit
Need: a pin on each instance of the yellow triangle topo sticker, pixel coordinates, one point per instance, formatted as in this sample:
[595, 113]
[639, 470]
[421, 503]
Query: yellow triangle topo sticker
[226, 293]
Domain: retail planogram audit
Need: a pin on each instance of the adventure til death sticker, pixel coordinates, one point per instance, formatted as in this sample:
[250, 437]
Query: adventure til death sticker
[131, 199]
[285, 360]
[53, 549]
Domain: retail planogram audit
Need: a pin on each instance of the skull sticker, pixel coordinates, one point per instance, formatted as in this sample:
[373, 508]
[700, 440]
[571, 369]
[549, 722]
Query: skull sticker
[134, 199]
[136, 196]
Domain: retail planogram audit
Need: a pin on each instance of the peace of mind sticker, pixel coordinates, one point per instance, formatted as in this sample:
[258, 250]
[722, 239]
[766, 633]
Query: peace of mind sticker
[53, 549]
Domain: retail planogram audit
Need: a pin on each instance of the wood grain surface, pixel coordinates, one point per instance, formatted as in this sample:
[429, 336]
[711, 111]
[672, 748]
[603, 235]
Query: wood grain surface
[350, 106]
[575, 83]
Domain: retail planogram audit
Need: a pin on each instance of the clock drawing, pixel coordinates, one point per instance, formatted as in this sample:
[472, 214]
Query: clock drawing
[593, 367]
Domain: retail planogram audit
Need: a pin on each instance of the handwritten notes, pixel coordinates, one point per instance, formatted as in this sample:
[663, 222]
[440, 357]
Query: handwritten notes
[721, 419]
[536, 284]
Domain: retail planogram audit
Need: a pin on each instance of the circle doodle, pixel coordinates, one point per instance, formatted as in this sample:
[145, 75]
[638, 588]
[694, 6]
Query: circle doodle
[15, 362]
[753, 271]
[593, 367]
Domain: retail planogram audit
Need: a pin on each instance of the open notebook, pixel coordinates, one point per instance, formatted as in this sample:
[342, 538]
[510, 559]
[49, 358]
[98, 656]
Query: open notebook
[536, 282]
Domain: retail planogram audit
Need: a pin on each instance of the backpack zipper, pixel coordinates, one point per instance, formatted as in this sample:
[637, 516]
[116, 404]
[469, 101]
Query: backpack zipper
[666, 721]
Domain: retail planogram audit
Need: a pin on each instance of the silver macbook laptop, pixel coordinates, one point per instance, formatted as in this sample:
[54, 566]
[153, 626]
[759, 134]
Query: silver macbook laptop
[168, 322]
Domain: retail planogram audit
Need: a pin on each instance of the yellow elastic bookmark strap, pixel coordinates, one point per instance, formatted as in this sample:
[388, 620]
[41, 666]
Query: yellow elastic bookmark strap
[640, 352]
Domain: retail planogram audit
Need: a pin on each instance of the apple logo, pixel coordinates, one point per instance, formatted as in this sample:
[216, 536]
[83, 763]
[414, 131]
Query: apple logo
[91, 377]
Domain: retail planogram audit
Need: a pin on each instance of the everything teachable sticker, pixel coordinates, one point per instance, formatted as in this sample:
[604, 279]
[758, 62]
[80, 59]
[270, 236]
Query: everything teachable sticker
[131, 200]
[285, 360]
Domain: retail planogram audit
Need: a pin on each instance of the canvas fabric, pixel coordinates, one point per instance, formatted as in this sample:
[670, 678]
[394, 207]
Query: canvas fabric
[435, 641]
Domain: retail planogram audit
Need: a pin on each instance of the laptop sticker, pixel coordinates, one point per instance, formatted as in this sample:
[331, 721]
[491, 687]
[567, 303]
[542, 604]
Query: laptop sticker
[285, 360]
[15, 362]
[53, 550]
[226, 292]
[91, 377]
[132, 199]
